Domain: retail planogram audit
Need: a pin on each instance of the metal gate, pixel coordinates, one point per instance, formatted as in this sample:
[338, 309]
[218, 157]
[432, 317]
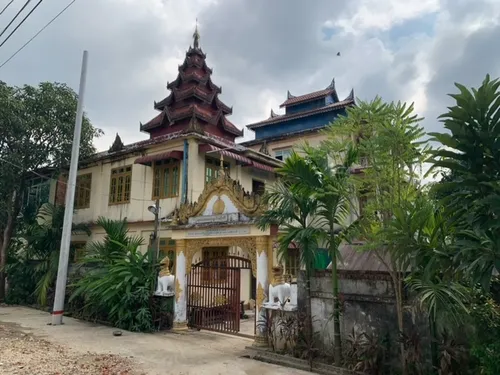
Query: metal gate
[213, 294]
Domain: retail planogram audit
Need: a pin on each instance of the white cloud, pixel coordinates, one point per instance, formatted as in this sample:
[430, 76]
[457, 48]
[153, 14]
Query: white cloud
[259, 50]
[366, 15]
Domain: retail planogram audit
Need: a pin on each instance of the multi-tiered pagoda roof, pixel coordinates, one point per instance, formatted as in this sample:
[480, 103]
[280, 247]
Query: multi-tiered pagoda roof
[193, 103]
[306, 113]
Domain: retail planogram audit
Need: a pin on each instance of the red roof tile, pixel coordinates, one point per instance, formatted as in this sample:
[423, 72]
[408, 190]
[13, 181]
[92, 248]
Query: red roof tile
[157, 120]
[148, 159]
[263, 167]
[230, 126]
[304, 98]
[211, 148]
[220, 142]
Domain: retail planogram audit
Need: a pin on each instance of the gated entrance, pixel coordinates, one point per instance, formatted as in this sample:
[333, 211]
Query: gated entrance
[213, 294]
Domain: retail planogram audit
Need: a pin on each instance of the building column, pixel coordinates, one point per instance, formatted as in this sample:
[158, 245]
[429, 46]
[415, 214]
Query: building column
[271, 254]
[195, 172]
[180, 314]
[262, 290]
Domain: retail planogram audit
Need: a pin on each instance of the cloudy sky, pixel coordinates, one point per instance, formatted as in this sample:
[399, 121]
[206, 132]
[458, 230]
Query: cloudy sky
[411, 50]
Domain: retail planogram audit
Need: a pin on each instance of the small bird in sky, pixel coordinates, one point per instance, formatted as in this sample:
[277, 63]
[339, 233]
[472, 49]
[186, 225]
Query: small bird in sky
[338, 53]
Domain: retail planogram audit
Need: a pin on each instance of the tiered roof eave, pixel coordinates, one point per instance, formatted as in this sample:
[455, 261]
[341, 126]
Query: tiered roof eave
[276, 118]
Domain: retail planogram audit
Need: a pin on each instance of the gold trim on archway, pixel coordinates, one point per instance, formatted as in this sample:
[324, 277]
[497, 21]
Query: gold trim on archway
[247, 203]
[248, 244]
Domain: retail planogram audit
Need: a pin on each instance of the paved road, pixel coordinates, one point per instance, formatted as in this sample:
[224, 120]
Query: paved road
[199, 353]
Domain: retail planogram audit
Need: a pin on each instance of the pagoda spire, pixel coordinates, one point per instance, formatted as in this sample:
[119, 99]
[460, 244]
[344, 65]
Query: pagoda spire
[196, 36]
[193, 104]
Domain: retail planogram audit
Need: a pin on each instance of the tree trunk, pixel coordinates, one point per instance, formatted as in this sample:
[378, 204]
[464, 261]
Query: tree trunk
[309, 327]
[336, 308]
[399, 311]
[9, 227]
[434, 345]
[12, 213]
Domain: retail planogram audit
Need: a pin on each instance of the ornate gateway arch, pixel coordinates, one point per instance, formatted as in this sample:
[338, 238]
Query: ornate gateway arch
[223, 216]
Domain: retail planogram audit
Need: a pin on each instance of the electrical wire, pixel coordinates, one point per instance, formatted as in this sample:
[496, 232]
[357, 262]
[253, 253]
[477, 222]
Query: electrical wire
[13, 19]
[5, 7]
[38, 33]
[20, 23]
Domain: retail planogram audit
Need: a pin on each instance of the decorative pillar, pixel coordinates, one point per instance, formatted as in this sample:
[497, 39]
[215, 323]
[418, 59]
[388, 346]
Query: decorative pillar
[180, 315]
[271, 247]
[262, 290]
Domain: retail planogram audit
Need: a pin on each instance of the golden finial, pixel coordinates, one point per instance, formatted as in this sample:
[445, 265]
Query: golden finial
[165, 267]
[221, 168]
[196, 36]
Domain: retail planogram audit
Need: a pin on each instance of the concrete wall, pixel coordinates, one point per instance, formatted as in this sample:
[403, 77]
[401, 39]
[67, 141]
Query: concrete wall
[141, 190]
[314, 139]
[367, 305]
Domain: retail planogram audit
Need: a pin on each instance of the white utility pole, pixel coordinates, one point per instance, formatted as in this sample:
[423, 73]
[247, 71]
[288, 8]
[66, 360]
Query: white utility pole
[62, 272]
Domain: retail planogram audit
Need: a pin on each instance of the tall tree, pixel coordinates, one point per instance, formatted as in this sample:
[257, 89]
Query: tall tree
[36, 130]
[470, 154]
[388, 136]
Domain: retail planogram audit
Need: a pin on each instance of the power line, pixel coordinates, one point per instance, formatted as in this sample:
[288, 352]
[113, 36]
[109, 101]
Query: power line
[13, 19]
[19, 25]
[5, 7]
[38, 33]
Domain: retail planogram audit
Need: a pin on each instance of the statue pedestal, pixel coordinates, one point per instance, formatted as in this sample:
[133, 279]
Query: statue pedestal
[260, 341]
[164, 294]
[276, 306]
[165, 314]
[282, 319]
[180, 327]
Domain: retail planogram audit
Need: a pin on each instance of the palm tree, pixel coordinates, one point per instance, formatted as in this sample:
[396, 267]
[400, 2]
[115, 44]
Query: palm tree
[43, 242]
[325, 178]
[294, 213]
[471, 152]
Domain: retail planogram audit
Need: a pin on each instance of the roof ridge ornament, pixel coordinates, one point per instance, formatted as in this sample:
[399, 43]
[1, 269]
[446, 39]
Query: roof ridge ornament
[117, 144]
[331, 86]
[289, 95]
[194, 126]
[196, 36]
[264, 149]
[350, 96]
[273, 114]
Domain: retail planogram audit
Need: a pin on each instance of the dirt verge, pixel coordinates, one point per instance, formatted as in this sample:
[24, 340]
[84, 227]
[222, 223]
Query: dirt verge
[23, 353]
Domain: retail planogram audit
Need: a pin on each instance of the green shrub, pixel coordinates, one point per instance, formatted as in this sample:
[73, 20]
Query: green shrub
[119, 281]
[123, 289]
[485, 345]
[22, 282]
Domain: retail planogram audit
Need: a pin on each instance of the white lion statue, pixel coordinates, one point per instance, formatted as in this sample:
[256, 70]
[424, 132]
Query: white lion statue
[279, 291]
[166, 280]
